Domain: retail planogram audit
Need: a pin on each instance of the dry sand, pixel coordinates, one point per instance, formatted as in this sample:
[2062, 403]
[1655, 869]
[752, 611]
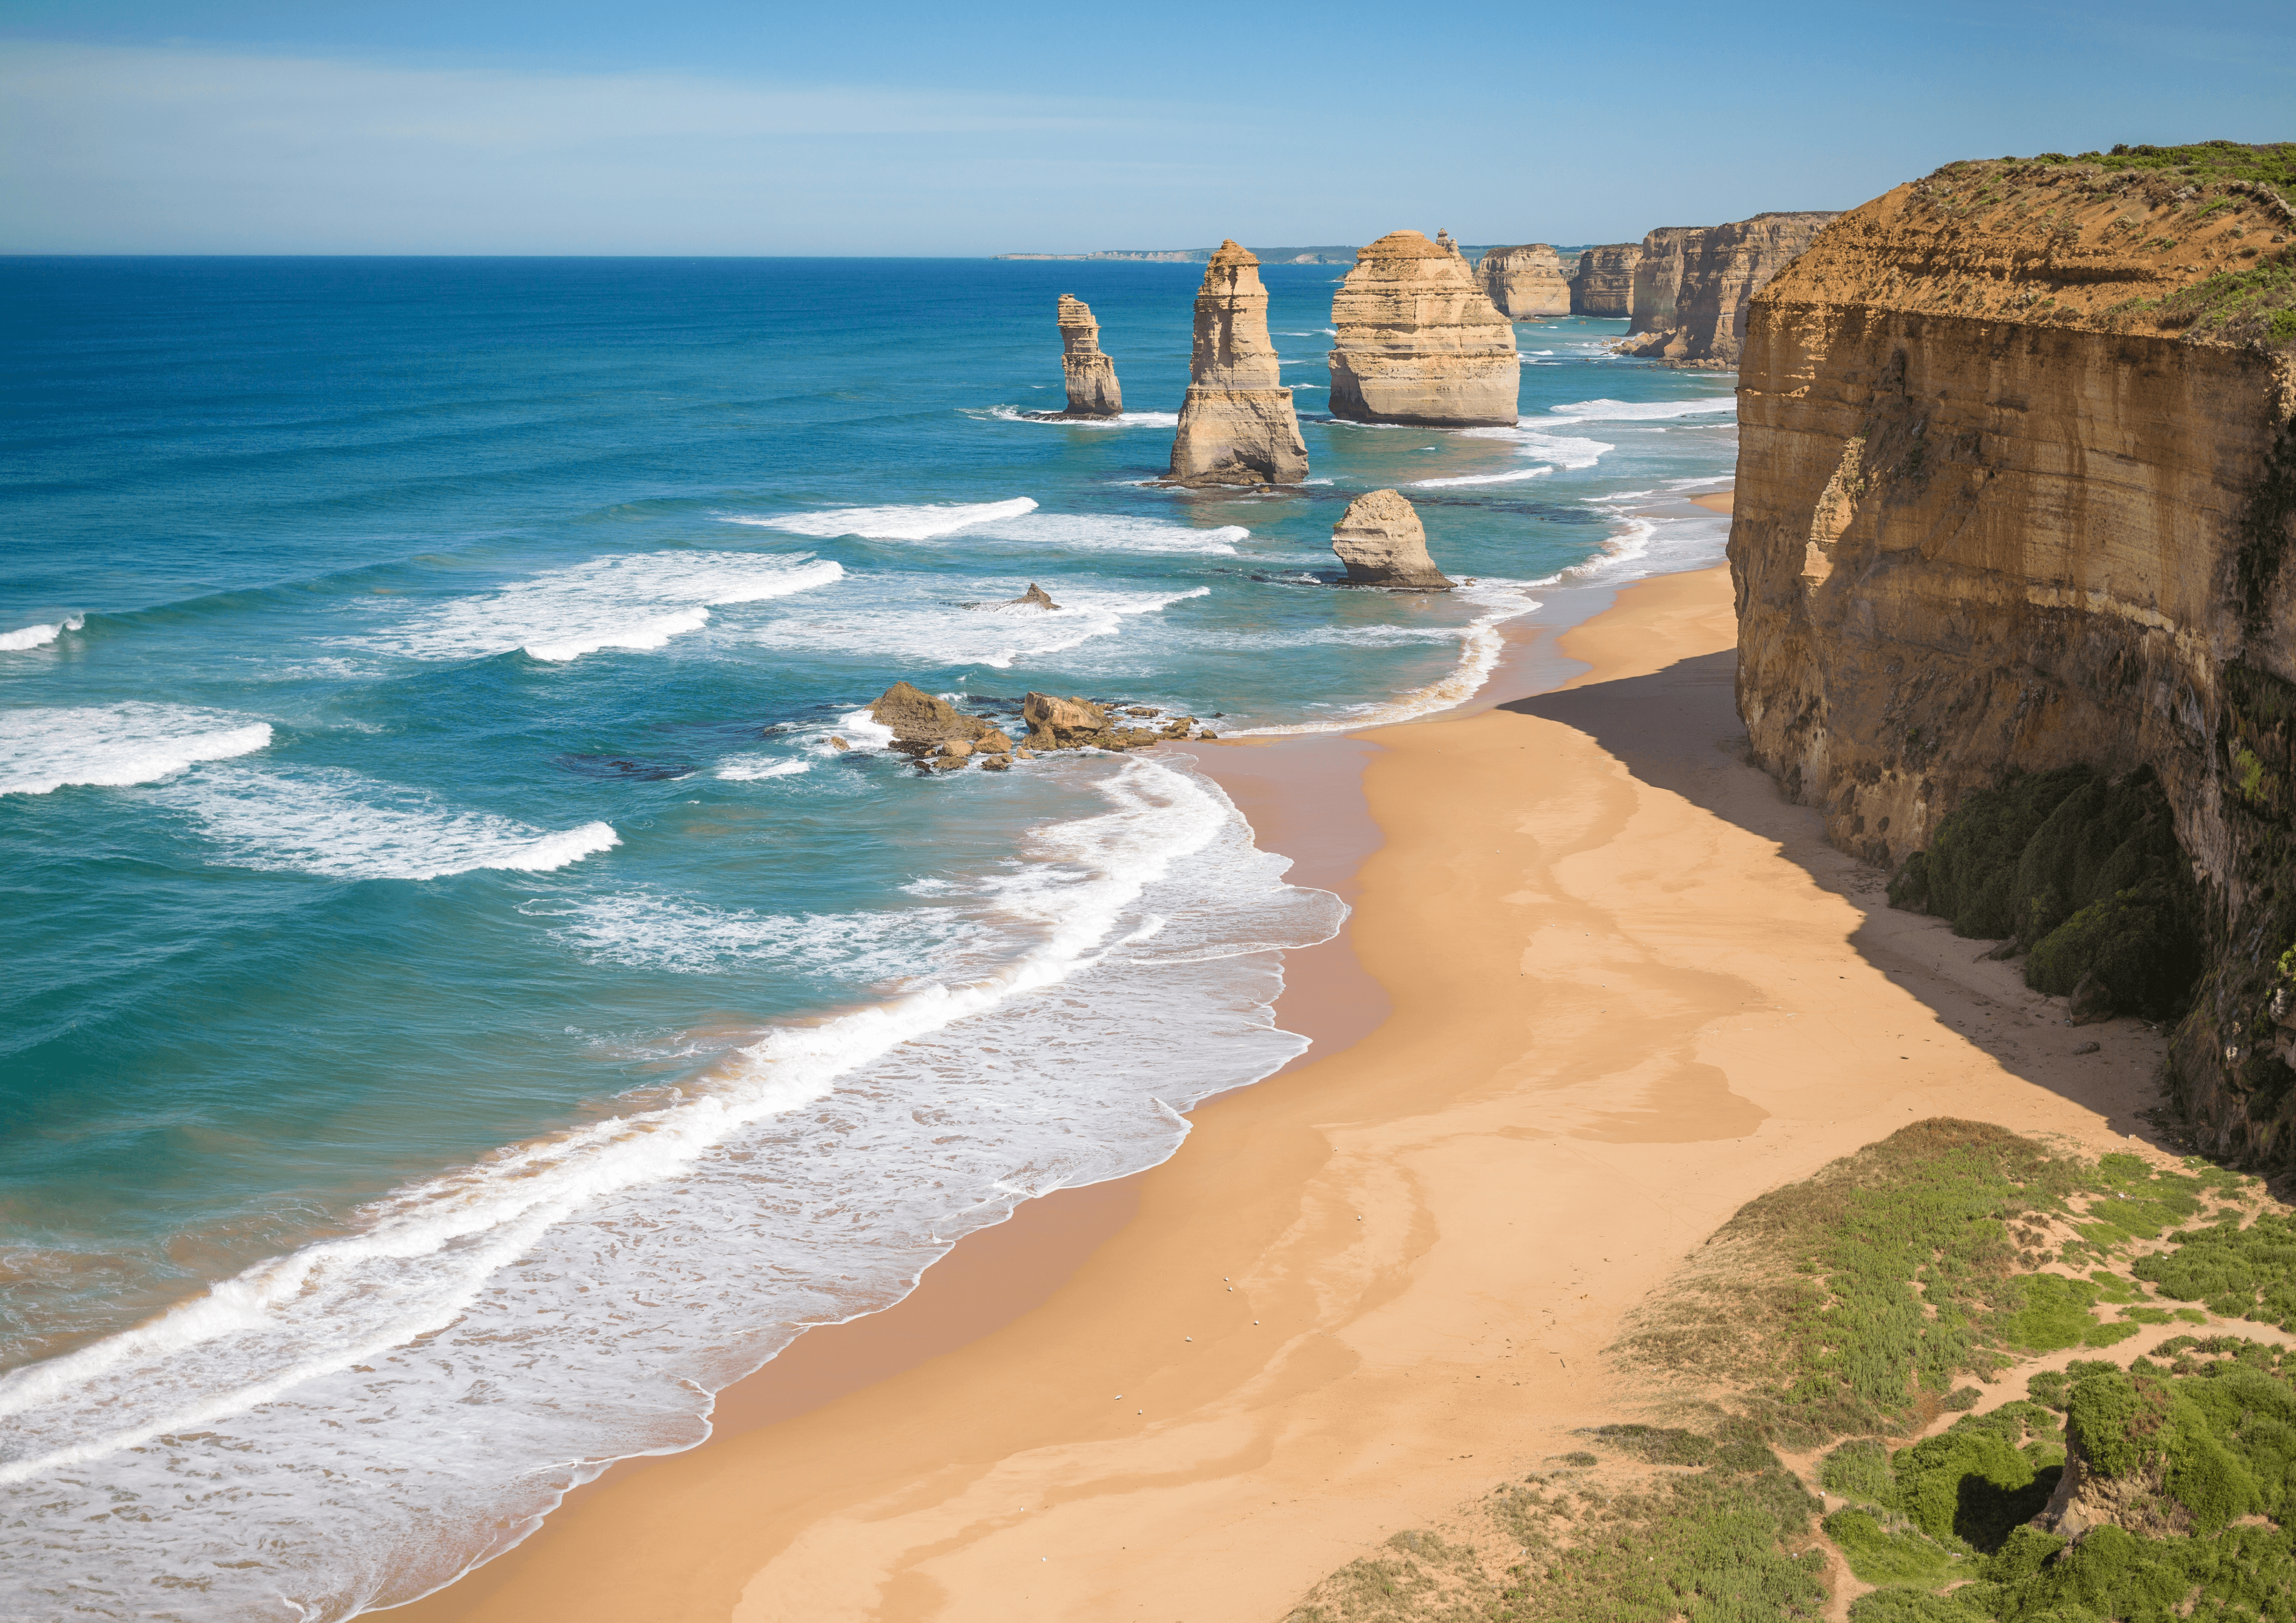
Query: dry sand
[1718, 503]
[1630, 987]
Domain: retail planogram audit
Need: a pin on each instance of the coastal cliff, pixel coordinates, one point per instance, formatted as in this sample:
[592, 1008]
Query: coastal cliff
[1419, 341]
[1693, 285]
[1603, 285]
[1525, 281]
[2017, 487]
[1238, 425]
[1091, 376]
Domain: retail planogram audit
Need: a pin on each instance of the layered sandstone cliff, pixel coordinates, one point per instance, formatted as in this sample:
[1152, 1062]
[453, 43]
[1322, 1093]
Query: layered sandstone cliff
[1091, 375]
[2016, 486]
[1525, 281]
[1690, 303]
[1603, 285]
[1419, 341]
[1237, 426]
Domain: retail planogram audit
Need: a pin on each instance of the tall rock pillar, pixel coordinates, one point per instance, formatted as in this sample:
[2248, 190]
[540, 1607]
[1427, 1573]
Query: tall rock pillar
[1091, 375]
[1526, 282]
[1237, 426]
[1419, 341]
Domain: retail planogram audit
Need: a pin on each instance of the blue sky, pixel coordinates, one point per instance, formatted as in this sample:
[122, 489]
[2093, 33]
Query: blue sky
[419, 126]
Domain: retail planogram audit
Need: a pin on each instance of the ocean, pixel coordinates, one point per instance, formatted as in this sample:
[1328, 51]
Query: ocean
[463, 1011]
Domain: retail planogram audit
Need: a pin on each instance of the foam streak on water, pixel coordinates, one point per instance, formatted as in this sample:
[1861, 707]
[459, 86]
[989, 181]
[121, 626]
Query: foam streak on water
[572, 1298]
[44, 750]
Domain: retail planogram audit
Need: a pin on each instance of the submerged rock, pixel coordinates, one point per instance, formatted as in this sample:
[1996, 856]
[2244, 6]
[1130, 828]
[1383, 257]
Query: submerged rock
[1526, 282]
[1091, 376]
[1381, 541]
[1419, 341]
[1034, 597]
[1237, 426]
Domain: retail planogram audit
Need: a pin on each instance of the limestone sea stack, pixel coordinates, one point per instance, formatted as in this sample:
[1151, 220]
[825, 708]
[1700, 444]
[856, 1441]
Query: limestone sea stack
[1091, 375]
[1604, 282]
[1704, 280]
[1237, 426]
[1526, 282]
[1381, 541]
[1419, 341]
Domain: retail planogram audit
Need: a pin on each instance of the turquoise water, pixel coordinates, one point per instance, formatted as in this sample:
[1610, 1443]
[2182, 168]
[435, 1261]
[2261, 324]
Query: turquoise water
[463, 1009]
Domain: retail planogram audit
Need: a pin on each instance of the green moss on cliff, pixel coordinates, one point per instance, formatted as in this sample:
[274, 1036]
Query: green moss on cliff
[2086, 872]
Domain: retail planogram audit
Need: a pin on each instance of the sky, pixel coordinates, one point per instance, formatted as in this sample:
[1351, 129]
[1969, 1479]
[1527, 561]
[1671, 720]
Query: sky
[424, 127]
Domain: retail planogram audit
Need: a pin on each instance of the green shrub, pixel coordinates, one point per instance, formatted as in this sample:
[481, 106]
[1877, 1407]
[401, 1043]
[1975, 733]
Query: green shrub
[1879, 1554]
[1969, 1486]
[1859, 1470]
[1661, 1446]
[2100, 1414]
[1916, 1606]
[2084, 871]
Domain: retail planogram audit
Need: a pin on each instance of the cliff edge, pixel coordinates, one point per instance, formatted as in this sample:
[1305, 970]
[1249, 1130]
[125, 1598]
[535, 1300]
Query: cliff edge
[2017, 490]
[1692, 286]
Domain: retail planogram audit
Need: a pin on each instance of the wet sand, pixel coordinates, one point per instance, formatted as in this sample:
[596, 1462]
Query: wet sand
[1605, 986]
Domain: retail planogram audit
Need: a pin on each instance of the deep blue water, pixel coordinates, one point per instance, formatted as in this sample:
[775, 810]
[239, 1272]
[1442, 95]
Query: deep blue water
[461, 1000]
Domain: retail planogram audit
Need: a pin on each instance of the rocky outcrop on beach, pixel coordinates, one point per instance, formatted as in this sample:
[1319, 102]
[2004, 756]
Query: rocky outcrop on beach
[1419, 341]
[935, 730]
[1034, 597]
[2017, 491]
[1693, 285]
[1080, 723]
[1091, 375]
[1381, 541]
[1526, 282]
[1604, 282]
[1238, 425]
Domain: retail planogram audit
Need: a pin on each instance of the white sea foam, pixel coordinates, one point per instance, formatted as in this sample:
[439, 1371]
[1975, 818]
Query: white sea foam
[1563, 450]
[1122, 420]
[409, 1396]
[748, 769]
[1632, 411]
[43, 749]
[636, 600]
[1487, 479]
[1480, 643]
[920, 522]
[899, 625]
[37, 636]
[342, 824]
[652, 932]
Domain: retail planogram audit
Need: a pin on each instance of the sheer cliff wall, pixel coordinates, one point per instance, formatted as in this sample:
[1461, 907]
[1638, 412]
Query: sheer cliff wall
[2015, 486]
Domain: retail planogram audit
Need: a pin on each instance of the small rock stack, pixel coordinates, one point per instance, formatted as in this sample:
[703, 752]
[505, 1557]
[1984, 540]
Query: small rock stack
[1091, 376]
[1237, 426]
[1381, 541]
[941, 738]
[1419, 341]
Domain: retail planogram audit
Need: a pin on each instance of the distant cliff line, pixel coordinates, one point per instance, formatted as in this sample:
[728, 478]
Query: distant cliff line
[1326, 255]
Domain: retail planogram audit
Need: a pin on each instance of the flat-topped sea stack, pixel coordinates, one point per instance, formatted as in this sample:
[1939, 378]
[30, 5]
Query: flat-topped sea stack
[1237, 426]
[1526, 282]
[1091, 375]
[1381, 541]
[1695, 285]
[1419, 341]
[1604, 282]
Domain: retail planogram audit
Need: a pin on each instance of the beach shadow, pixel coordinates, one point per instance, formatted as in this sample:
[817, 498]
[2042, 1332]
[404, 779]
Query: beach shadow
[1678, 729]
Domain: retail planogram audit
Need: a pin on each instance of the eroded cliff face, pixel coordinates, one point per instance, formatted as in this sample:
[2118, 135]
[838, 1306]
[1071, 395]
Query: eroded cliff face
[1525, 281]
[1238, 425]
[1603, 285]
[1692, 306]
[1091, 376]
[2016, 482]
[1419, 341]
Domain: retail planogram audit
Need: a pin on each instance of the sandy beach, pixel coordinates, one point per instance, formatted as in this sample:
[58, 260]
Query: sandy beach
[1603, 984]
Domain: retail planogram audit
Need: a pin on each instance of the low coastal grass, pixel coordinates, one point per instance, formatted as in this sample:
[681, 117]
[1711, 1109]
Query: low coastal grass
[1837, 1314]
